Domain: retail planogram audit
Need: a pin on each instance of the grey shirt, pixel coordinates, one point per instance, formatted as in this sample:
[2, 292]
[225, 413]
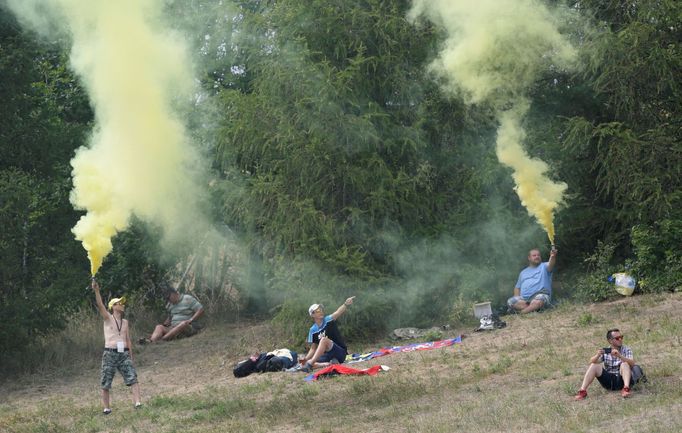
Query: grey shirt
[184, 310]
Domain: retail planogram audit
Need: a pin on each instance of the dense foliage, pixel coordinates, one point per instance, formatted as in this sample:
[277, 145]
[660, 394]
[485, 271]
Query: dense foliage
[341, 167]
[44, 117]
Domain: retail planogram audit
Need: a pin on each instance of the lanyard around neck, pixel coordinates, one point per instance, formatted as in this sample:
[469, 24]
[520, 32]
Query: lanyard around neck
[118, 327]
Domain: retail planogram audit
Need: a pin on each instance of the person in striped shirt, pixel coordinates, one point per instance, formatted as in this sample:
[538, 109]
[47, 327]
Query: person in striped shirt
[183, 312]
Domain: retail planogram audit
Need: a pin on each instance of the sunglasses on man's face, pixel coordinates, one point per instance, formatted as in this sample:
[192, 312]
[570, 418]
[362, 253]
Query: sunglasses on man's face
[620, 337]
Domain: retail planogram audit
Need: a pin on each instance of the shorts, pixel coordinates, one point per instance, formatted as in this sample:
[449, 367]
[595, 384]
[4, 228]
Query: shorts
[112, 361]
[545, 298]
[189, 330]
[612, 381]
[336, 352]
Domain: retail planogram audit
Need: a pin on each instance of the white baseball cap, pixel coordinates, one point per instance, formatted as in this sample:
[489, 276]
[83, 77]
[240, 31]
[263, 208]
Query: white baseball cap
[314, 307]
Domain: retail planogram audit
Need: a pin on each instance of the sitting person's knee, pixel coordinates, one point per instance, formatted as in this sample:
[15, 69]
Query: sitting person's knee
[514, 300]
[327, 343]
[542, 298]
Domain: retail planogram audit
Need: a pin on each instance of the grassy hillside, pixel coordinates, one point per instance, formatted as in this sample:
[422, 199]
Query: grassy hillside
[521, 378]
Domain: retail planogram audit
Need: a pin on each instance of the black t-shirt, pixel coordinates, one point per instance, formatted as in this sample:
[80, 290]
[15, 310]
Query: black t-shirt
[329, 329]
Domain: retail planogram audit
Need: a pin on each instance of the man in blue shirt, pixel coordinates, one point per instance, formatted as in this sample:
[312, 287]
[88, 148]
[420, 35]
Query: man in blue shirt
[533, 289]
[326, 343]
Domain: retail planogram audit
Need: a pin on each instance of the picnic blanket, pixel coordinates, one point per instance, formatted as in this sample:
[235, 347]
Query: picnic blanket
[359, 357]
[339, 369]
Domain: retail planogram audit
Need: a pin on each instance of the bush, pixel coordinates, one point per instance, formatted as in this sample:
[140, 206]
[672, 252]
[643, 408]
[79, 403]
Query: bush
[461, 312]
[593, 285]
[656, 265]
[362, 321]
[658, 261]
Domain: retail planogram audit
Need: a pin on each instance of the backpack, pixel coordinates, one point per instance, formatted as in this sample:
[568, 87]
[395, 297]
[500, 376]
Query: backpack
[638, 375]
[264, 362]
[274, 364]
[244, 368]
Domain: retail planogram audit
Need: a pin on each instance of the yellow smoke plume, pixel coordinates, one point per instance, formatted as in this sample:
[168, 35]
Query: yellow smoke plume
[537, 193]
[494, 51]
[137, 159]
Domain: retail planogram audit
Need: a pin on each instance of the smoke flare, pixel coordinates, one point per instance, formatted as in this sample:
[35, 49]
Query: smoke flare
[138, 157]
[495, 50]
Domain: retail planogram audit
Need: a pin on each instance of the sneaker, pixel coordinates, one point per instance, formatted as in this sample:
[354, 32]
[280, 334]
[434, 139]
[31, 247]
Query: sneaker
[138, 405]
[106, 411]
[581, 395]
[144, 341]
[625, 392]
[294, 369]
[307, 368]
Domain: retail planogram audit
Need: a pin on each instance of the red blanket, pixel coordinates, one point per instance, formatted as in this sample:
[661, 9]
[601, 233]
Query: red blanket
[337, 369]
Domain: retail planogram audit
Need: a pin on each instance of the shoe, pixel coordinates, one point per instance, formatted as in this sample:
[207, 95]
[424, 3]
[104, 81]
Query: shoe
[486, 324]
[294, 369]
[144, 341]
[581, 395]
[106, 411]
[625, 392]
[138, 405]
[307, 368]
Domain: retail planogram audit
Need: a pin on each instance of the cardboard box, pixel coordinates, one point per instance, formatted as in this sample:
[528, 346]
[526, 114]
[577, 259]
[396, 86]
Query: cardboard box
[482, 309]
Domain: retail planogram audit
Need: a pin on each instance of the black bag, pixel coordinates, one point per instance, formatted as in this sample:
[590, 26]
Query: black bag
[264, 362]
[274, 364]
[244, 368]
[638, 375]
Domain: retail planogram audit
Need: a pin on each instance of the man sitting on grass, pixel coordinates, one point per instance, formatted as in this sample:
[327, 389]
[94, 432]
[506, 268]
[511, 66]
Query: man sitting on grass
[533, 289]
[326, 344]
[183, 311]
[616, 372]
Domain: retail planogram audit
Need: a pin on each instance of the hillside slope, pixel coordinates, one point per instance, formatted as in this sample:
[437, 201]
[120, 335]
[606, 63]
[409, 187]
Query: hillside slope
[520, 378]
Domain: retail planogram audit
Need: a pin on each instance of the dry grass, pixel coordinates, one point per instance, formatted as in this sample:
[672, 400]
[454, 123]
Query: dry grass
[521, 378]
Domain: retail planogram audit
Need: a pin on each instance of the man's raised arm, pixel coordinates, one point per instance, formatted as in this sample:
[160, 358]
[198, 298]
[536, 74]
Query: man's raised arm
[98, 298]
[552, 260]
[342, 309]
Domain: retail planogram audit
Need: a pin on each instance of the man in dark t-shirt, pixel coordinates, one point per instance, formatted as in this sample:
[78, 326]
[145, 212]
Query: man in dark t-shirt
[326, 342]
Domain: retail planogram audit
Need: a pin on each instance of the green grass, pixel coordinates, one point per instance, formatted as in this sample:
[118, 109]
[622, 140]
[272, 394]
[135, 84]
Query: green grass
[521, 378]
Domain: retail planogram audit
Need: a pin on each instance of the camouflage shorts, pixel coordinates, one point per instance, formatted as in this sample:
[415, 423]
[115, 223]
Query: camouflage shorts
[545, 298]
[112, 361]
[189, 330]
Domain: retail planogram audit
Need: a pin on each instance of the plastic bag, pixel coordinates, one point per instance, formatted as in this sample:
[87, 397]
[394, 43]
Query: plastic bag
[625, 284]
